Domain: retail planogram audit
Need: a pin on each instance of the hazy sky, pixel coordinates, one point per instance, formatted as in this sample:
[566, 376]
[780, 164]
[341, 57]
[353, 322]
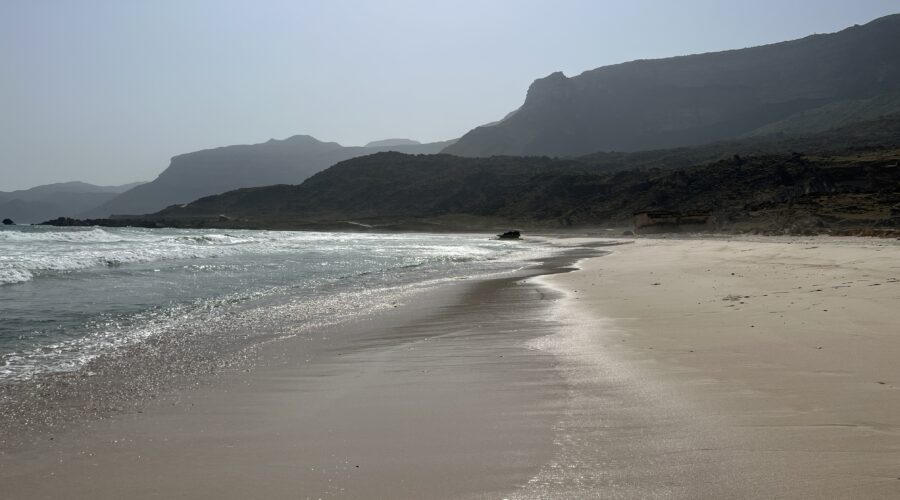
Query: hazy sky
[107, 91]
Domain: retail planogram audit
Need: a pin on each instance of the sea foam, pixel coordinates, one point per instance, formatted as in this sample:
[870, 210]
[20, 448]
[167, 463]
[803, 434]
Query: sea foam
[73, 294]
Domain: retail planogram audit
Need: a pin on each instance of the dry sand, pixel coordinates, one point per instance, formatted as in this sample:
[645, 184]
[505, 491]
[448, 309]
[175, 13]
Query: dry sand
[730, 369]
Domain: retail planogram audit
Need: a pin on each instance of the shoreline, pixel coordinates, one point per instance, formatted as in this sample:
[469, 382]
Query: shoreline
[433, 400]
[194, 351]
[683, 367]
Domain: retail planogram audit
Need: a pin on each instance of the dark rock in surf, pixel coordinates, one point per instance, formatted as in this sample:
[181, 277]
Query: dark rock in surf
[510, 235]
[8, 222]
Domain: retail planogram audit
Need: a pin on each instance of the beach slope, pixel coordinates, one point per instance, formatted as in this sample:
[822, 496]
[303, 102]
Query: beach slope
[729, 368]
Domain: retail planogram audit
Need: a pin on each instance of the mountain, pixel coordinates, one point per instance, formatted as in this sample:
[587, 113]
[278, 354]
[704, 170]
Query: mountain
[806, 85]
[210, 171]
[382, 185]
[842, 179]
[826, 117]
[392, 142]
[68, 199]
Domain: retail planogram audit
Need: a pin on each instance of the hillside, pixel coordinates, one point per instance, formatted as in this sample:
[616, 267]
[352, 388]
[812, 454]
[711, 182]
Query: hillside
[807, 85]
[824, 118]
[67, 199]
[202, 173]
[383, 185]
[841, 179]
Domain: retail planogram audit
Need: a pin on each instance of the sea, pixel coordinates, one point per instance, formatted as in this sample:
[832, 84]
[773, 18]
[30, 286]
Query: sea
[71, 295]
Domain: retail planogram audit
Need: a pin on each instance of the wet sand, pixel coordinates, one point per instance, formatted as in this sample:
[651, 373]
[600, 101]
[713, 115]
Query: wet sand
[441, 398]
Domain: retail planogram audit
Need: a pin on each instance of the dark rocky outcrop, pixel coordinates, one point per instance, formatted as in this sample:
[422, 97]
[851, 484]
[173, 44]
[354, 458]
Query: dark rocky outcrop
[70, 222]
[802, 86]
[8, 222]
[510, 235]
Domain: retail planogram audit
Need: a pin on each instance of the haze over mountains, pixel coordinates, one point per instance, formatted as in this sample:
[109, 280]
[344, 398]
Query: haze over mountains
[824, 94]
[52, 200]
[211, 171]
[811, 84]
[845, 178]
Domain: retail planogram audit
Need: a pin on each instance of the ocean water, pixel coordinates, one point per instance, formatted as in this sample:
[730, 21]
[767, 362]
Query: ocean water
[70, 295]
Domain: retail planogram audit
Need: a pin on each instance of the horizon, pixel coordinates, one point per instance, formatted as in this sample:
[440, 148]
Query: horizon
[125, 94]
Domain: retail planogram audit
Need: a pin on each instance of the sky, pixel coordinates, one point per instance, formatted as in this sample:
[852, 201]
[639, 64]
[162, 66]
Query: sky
[108, 91]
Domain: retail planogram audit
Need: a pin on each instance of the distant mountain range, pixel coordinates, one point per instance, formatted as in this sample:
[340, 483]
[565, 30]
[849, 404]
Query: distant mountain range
[807, 130]
[802, 86]
[211, 171]
[845, 178]
[392, 142]
[64, 199]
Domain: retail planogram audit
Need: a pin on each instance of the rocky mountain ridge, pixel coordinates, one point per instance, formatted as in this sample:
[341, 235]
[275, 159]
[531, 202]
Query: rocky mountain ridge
[703, 98]
[846, 179]
[211, 171]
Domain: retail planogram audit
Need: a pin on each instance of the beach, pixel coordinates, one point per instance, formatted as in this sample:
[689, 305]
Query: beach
[731, 368]
[440, 398]
[652, 368]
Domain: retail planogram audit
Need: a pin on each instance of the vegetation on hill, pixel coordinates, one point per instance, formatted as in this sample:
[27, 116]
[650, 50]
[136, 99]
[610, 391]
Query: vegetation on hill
[845, 179]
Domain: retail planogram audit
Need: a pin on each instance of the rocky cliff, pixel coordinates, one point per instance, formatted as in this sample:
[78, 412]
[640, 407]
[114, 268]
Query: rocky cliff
[689, 100]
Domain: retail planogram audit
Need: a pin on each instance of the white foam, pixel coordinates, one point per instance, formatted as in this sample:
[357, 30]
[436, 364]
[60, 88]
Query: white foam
[94, 234]
[28, 253]
[13, 275]
[387, 261]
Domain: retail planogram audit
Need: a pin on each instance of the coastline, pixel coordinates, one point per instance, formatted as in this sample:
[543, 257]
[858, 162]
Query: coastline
[439, 398]
[684, 367]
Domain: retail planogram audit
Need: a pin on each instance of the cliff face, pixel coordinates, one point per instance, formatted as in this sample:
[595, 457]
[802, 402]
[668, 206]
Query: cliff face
[681, 101]
[211, 171]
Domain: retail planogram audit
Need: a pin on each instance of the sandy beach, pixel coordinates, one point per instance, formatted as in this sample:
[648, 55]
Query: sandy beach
[742, 368]
[441, 398]
[667, 368]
